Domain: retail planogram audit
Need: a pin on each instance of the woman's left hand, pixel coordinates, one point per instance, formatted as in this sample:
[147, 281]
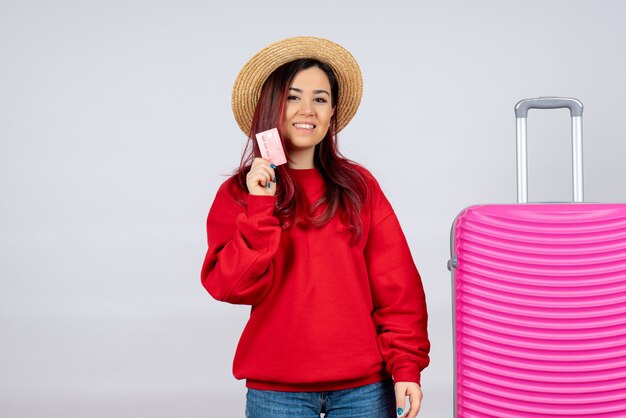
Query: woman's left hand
[414, 392]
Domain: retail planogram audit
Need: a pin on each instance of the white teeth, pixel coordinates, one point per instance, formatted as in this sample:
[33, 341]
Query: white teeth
[304, 125]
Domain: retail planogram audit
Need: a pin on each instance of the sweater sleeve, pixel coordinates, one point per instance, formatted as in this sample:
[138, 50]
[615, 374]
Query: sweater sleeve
[242, 241]
[399, 314]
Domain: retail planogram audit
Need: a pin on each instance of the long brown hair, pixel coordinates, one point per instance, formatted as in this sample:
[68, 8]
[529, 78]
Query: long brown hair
[346, 185]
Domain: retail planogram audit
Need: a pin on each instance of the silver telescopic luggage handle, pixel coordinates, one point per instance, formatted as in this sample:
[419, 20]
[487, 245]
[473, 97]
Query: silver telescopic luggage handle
[576, 113]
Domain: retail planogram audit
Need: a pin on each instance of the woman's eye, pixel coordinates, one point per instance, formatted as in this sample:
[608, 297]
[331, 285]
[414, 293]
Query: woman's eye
[320, 100]
[292, 98]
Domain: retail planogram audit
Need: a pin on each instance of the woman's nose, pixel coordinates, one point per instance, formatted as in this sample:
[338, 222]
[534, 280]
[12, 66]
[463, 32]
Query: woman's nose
[305, 108]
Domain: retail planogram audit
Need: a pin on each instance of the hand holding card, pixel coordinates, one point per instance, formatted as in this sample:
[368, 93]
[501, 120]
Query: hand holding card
[271, 147]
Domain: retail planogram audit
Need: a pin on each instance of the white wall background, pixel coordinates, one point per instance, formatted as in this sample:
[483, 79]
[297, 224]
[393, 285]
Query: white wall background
[116, 130]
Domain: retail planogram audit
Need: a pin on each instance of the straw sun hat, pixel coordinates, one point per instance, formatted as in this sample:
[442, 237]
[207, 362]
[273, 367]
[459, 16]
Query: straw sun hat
[247, 88]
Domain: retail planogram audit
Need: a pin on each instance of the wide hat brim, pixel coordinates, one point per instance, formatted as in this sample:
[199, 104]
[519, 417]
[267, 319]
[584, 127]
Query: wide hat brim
[247, 87]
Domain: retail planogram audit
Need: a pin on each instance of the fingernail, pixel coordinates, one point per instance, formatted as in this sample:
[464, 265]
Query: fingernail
[274, 179]
[272, 165]
[400, 411]
[268, 184]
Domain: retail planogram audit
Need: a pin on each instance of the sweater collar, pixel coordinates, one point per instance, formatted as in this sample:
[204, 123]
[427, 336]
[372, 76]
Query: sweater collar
[305, 176]
[303, 173]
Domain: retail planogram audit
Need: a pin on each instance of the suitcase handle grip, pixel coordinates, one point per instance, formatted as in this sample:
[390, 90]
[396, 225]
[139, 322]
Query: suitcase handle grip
[523, 106]
[521, 115]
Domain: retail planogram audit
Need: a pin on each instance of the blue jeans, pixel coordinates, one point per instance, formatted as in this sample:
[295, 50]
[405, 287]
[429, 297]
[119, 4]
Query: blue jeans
[370, 401]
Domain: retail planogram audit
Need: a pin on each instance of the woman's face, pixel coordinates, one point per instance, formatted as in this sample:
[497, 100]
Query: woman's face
[308, 110]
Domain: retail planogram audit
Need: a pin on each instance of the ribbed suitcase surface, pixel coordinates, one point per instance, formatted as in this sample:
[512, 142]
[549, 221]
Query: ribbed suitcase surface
[540, 311]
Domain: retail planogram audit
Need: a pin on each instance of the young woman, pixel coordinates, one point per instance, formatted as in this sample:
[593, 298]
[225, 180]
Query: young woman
[338, 319]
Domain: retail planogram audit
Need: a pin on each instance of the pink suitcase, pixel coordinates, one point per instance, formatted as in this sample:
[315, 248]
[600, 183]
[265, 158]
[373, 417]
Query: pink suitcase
[539, 300]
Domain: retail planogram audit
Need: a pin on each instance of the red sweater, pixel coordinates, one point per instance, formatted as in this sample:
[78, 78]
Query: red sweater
[326, 314]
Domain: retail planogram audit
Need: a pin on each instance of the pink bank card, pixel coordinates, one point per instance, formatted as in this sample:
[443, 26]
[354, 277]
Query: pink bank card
[271, 147]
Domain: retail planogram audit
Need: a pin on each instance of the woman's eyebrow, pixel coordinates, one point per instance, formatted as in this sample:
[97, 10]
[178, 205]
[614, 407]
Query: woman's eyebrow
[297, 90]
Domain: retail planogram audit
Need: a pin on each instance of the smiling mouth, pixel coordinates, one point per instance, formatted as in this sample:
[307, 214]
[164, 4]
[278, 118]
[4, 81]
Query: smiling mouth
[304, 126]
